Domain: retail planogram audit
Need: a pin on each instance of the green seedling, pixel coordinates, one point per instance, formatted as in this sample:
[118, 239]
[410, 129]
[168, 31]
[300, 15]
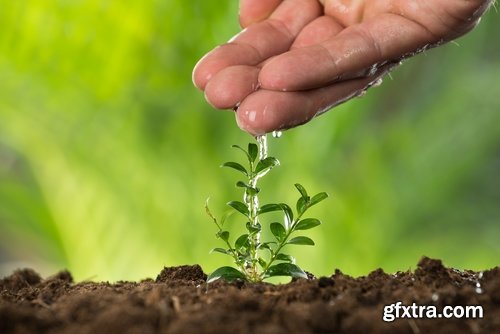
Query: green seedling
[256, 260]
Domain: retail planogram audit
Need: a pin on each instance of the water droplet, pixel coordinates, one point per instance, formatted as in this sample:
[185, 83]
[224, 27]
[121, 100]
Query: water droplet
[435, 297]
[277, 134]
[361, 93]
[262, 142]
[480, 276]
[376, 83]
[479, 291]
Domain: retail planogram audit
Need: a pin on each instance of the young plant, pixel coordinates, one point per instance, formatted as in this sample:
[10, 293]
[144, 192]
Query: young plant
[256, 260]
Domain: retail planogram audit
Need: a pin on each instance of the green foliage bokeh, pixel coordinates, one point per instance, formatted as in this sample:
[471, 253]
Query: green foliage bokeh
[107, 151]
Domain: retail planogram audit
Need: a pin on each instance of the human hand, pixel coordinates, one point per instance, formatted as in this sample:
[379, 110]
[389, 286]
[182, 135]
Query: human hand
[297, 58]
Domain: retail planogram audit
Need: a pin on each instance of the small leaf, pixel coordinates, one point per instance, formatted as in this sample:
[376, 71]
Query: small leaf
[251, 190]
[307, 223]
[301, 190]
[285, 257]
[318, 198]
[269, 208]
[224, 235]
[286, 269]
[253, 151]
[266, 163]
[236, 166]
[278, 231]
[301, 241]
[266, 245]
[242, 241]
[253, 229]
[219, 250]
[288, 214]
[301, 205]
[226, 273]
[239, 206]
[262, 262]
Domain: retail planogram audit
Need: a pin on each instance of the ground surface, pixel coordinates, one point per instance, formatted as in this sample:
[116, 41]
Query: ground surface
[179, 301]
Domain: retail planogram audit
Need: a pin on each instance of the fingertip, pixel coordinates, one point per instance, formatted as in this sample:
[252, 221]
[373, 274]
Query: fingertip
[265, 111]
[201, 74]
[231, 85]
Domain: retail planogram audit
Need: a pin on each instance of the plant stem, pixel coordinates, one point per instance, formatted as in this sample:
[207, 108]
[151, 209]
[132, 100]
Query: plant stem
[251, 199]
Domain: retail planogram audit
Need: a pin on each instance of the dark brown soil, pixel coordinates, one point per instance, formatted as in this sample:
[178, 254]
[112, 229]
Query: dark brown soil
[179, 301]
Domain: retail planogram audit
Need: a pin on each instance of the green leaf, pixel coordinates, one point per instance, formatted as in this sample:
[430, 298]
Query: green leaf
[242, 241]
[301, 190]
[226, 273]
[269, 208]
[318, 198]
[253, 229]
[262, 262]
[301, 241]
[224, 235]
[265, 164]
[251, 190]
[288, 214]
[285, 257]
[278, 231]
[236, 166]
[253, 151]
[239, 206]
[219, 250]
[301, 205]
[286, 269]
[307, 223]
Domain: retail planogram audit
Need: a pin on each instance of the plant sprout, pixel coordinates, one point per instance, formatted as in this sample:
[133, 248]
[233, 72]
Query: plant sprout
[256, 260]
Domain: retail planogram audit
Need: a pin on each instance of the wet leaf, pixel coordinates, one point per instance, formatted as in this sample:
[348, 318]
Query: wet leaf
[288, 214]
[226, 273]
[242, 241]
[224, 235]
[318, 198]
[219, 250]
[286, 269]
[235, 166]
[301, 241]
[307, 223]
[269, 208]
[239, 206]
[301, 206]
[253, 228]
[266, 163]
[262, 262]
[301, 190]
[253, 151]
[251, 190]
[278, 231]
[285, 257]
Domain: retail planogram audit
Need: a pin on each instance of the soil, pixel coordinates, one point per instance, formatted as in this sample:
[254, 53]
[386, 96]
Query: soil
[179, 301]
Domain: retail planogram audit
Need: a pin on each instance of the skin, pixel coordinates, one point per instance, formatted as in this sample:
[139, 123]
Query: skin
[295, 59]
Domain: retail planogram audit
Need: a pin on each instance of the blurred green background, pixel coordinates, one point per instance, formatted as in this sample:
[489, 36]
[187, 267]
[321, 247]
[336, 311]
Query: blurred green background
[107, 152]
